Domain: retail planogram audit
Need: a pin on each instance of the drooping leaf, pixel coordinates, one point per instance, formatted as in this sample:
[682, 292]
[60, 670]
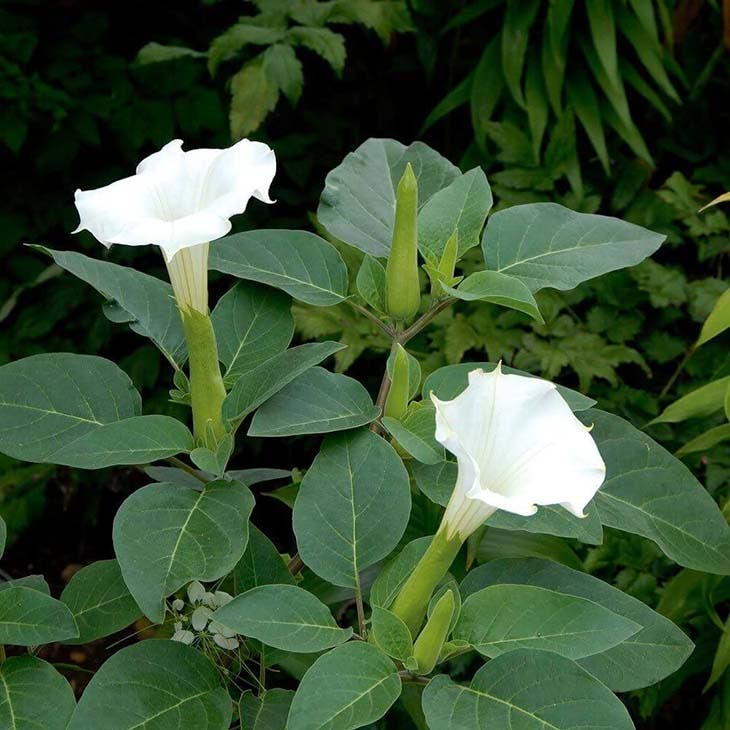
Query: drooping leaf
[358, 201]
[317, 401]
[366, 682]
[29, 617]
[486, 89]
[536, 104]
[136, 440]
[649, 492]
[717, 321]
[525, 689]
[142, 301]
[706, 440]
[447, 382]
[653, 653]
[502, 618]
[157, 684]
[547, 245]
[252, 324]
[519, 17]
[258, 385]
[700, 403]
[33, 695]
[261, 564]
[352, 507]
[603, 33]
[283, 616]
[284, 69]
[463, 207]
[497, 288]
[166, 535]
[49, 401]
[266, 712]
[100, 601]
[300, 263]
[584, 101]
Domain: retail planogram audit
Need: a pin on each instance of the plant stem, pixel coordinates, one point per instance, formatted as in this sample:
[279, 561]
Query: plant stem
[360, 611]
[423, 320]
[677, 371]
[180, 464]
[207, 391]
[412, 600]
[382, 326]
[295, 565]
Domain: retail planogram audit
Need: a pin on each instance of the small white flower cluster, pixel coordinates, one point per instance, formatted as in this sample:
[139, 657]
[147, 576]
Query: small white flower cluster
[203, 603]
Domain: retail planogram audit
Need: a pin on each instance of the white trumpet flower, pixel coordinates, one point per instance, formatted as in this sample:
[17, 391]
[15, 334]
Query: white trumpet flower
[180, 201]
[517, 445]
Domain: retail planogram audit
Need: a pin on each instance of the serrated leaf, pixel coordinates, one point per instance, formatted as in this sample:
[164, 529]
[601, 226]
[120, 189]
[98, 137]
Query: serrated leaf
[267, 712]
[258, 385]
[339, 518]
[29, 617]
[390, 634]
[136, 440]
[156, 683]
[496, 288]
[33, 695]
[144, 302]
[228, 44]
[370, 283]
[367, 685]
[357, 204]
[49, 401]
[547, 245]
[301, 263]
[261, 564]
[99, 601]
[253, 96]
[463, 207]
[160, 53]
[502, 618]
[283, 616]
[285, 70]
[649, 492]
[324, 42]
[447, 382]
[653, 653]
[525, 690]
[166, 535]
[317, 401]
[252, 323]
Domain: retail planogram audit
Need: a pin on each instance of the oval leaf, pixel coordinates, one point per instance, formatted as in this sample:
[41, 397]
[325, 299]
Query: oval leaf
[166, 535]
[318, 401]
[29, 617]
[49, 401]
[352, 507]
[268, 712]
[391, 634]
[301, 263]
[260, 565]
[160, 684]
[283, 616]
[367, 685]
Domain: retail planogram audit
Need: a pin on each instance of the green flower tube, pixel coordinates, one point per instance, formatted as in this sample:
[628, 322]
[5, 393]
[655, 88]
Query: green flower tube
[398, 393]
[402, 285]
[428, 645]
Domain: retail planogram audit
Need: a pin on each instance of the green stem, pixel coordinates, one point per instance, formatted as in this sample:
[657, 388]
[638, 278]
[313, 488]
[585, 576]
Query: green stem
[207, 391]
[412, 601]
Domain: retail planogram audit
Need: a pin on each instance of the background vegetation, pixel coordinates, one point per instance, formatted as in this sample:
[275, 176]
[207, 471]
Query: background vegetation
[614, 106]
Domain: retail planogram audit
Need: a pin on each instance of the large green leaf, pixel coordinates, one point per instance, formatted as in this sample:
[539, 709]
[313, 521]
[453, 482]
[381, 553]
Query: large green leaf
[656, 651]
[252, 324]
[29, 617]
[157, 684]
[33, 695]
[447, 382]
[258, 385]
[437, 482]
[301, 263]
[349, 687]
[136, 440]
[49, 401]
[99, 600]
[358, 201]
[266, 712]
[497, 288]
[699, 403]
[144, 302]
[525, 690]
[261, 564]
[283, 616]
[166, 535]
[650, 493]
[547, 245]
[352, 507]
[463, 207]
[503, 618]
[317, 401]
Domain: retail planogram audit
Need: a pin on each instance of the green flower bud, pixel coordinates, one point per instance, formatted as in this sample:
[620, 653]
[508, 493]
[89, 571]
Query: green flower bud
[428, 645]
[402, 286]
[397, 401]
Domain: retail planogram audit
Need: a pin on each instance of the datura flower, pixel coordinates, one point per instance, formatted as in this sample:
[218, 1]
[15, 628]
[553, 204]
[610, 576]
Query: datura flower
[180, 201]
[517, 445]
